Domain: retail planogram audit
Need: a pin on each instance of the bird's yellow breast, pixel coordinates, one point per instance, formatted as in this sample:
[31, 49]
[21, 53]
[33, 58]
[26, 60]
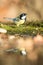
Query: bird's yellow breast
[20, 22]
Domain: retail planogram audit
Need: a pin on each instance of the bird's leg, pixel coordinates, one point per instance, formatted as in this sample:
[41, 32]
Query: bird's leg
[17, 25]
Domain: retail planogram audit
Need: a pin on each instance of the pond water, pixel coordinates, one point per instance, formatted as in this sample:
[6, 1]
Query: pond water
[16, 59]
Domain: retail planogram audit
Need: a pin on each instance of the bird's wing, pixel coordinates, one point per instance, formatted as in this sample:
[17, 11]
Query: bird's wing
[16, 19]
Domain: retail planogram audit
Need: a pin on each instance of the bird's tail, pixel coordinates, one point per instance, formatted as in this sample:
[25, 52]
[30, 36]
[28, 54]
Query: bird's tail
[9, 19]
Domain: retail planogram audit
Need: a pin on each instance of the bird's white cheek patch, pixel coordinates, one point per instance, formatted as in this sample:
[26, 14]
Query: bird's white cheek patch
[23, 17]
[23, 52]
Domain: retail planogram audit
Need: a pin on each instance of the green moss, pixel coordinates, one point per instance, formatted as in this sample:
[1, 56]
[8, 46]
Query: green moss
[31, 28]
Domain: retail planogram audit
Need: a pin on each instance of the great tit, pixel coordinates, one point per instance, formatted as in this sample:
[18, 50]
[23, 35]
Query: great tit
[18, 20]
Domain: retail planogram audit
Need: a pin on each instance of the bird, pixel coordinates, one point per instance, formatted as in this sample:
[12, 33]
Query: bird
[18, 20]
[22, 51]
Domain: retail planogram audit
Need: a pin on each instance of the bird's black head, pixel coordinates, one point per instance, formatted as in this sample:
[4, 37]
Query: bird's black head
[23, 16]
